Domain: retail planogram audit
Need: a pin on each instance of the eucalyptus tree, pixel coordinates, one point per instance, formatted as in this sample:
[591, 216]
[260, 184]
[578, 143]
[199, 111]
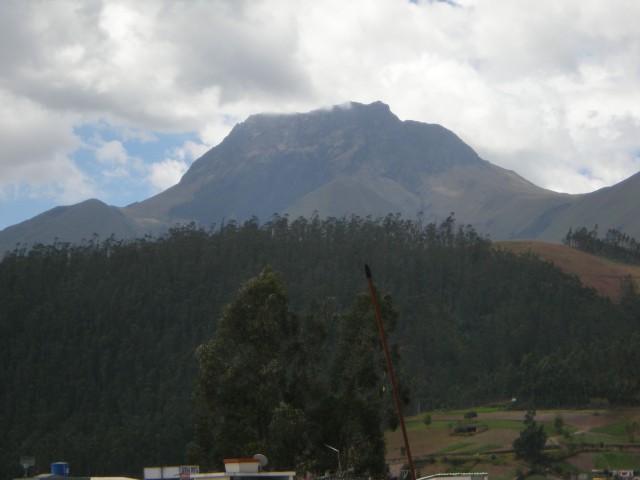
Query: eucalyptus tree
[247, 389]
[361, 395]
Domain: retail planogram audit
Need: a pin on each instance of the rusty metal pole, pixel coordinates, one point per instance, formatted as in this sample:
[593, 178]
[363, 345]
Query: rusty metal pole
[385, 347]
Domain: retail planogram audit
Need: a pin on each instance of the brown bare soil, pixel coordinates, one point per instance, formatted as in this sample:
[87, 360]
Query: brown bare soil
[583, 461]
[603, 275]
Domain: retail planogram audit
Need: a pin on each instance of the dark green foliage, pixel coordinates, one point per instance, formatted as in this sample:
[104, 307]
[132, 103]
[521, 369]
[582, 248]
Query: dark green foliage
[358, 388]
[598, 404]
[252, 378]
[615, 245]
[530, 444]
[98, 368]
[427, 420]
[558, 424]
[260, 389]
[632, 430]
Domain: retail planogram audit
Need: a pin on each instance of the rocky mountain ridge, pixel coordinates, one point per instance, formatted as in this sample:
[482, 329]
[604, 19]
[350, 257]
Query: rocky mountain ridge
[352, 159]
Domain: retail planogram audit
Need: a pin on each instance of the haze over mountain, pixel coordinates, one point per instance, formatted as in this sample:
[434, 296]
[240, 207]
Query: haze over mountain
[349, 159]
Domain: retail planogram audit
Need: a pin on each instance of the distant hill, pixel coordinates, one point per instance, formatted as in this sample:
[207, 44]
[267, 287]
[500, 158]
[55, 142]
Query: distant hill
[605, 276]
[616, 207]
[351, 159]
[75, 223]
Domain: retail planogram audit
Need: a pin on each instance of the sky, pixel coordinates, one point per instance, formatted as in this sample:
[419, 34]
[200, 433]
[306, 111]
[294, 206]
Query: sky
[114, 99]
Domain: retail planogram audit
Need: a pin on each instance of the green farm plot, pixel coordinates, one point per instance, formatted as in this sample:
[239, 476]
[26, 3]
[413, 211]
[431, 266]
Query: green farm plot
[617, 460]
[589, 437]
[619, 430]
[468, 448]
[451, 424]
[454, 447]
[482, 448]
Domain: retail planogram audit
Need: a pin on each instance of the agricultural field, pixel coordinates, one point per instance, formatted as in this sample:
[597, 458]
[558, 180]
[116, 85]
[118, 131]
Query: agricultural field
[580, 441]
[602, 275]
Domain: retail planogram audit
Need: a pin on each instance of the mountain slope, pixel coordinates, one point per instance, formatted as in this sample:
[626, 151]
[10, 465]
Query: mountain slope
[611, 207]
[603, 275]
[269, 163]
[73, 223]
[352, 159]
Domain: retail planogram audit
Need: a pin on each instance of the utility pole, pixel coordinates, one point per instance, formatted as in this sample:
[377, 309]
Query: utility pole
[396, 395]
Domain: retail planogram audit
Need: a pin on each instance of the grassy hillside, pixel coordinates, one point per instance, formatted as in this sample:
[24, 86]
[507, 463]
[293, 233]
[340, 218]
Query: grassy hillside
[603, 275]
[587, 441]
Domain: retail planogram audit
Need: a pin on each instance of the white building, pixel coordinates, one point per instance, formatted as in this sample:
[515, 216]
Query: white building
[457, 476]
[235, 469]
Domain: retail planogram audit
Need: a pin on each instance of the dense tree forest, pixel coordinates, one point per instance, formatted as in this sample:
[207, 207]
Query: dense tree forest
[615, 245]
[98, 365]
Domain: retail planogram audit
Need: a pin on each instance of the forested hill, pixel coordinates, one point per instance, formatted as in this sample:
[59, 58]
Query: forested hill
[97, 366]
[603, 274]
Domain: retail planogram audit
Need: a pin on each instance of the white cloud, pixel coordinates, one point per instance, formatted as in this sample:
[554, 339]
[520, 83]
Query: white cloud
[549, 91]
[36, 144]
[167, 173]
[190, 151]
[112, 152]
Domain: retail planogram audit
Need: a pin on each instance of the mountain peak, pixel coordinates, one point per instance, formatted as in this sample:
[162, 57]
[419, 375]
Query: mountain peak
[335, 141]
[360, 111]
[349, 159]
[346, 112]
[377, 107]
[323, 160]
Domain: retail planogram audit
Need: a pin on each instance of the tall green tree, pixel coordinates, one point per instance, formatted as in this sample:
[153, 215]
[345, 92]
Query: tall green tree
[249, 374]
[530, 444]
[360, 386]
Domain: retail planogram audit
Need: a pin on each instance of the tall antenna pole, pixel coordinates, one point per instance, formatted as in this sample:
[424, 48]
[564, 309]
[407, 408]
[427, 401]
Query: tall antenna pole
[385, 347]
